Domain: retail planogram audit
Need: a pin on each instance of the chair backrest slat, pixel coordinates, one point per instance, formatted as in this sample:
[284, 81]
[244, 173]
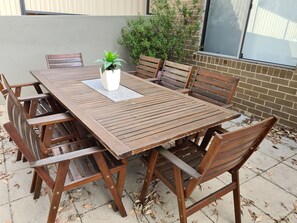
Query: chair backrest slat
[64, 60]
[175, 75]
[30, 140]
[228, 152]
[171, 82]
[4, 86]
[18, 118]
[214, 86]
[148, 67]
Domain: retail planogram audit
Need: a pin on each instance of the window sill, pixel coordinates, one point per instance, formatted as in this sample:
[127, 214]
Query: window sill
[257, 62]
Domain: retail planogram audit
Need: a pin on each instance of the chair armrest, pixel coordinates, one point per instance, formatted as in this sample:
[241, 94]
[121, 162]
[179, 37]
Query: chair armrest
[24, 84]
[178, 162]
[209, 134]
[152, 79]
[50, 119]
[183, 90]
[35, 97]
[66, 156]
[132, 72]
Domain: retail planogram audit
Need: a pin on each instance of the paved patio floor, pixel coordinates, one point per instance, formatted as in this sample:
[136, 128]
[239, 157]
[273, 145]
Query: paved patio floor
[268, 189]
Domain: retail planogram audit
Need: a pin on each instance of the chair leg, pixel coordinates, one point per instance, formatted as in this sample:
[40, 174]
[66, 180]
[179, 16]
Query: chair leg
[121, 177]
[120, 181]
[236, 197]
[149, 175]
[197, 138]
[58, 190]
[32, 188]
[53, 105]
[207, 137]
[180, 195]
[19, 155]
[111, 185]
[37, 188]
[24, 159]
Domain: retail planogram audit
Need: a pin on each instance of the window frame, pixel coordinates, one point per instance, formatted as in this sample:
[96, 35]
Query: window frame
[239, 54]
[25, 12]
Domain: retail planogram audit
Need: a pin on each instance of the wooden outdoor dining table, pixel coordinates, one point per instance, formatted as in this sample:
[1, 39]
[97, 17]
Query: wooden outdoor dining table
[130, 126]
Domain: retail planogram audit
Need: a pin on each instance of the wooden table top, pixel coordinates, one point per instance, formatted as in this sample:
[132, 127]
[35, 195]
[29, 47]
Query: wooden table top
[131, 126]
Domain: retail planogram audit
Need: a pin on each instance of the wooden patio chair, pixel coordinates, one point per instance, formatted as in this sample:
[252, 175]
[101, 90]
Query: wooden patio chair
[73, 164]
[183, 167]
[64, 60]
[53, 128]
[174, 76]
[147, 67]
[18, 87]
[214, 87]
[35, 105]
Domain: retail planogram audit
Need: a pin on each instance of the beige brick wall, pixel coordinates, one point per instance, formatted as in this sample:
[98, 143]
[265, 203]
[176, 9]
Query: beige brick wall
[263, 90]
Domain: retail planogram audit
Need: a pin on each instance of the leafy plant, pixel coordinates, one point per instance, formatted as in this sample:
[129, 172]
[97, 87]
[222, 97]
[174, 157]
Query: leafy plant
[173, 24]
[110, 61]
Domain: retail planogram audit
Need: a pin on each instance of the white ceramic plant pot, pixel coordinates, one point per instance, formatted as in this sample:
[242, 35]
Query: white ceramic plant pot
[111, 79]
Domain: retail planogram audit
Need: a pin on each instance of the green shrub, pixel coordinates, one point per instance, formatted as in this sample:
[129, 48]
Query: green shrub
[165, 33]
[110, 61]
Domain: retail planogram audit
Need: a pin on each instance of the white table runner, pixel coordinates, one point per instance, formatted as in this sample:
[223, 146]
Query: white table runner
[122, 93]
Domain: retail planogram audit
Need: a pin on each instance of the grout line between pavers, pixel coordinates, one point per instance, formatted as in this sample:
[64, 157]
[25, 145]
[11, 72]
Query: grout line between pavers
[259, 150]
[8, 191]
[289, 166]
[206, 215]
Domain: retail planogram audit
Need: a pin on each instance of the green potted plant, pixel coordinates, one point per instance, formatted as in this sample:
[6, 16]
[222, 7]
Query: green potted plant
[110, 71]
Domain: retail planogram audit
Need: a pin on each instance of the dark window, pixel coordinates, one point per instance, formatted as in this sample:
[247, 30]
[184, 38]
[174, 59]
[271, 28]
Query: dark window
[261, 30]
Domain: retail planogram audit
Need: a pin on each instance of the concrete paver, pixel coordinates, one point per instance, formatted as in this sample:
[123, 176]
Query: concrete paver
[267, 196]
[278, 151]
[5, 213]
[106, 214]
[20, 183]
[206, 188]
[13, 165]
[3, 193]
[245, 174]
[90, 196]
[28, 210]
[223, 211]
[281, 175]
[167, 211]
[136, 171]
[292, 162]
[259, 162]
